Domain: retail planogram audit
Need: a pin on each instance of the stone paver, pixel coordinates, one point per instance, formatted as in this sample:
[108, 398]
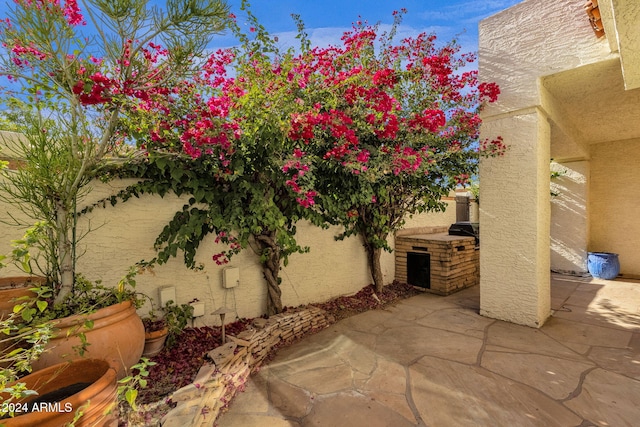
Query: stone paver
[587, 334]
[608, 399]
[323, 380]
[289, 400]
[255, 399]
[553, 376]
[388, 377]
[411, 342]
[352, 410]
[452, 394]
[625, 362]
[529, 340]
[432, 361]
[244, 420]
[459, 320]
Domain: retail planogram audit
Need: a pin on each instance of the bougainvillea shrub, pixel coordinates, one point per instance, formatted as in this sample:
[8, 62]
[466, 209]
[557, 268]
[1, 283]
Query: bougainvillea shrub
[393, 127]
[360, 135]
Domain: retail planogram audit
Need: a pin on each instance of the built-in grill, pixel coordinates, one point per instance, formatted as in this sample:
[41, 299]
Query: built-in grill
[466, 228]
[438, 263]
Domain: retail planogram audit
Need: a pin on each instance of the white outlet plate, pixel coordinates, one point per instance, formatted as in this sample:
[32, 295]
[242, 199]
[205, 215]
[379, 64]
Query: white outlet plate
[168, 293]
[230, 277]
[198, 309]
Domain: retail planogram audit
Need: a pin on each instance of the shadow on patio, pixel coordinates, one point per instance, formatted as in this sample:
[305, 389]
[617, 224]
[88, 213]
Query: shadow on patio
[433, 361]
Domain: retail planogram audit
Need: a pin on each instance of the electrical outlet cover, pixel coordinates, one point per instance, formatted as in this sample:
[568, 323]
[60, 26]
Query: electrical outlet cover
[168, 293]
[198, 309]
[230, 277]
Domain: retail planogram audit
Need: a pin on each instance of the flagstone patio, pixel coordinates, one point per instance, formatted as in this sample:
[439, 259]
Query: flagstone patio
[433, 361]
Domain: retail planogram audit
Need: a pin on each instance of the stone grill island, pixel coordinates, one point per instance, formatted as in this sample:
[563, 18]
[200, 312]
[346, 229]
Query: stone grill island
[437, 262]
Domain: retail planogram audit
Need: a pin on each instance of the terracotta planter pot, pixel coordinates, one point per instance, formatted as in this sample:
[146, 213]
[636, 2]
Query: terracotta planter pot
[117, 336]
[12, 288]
[100, 394]
[154, 342]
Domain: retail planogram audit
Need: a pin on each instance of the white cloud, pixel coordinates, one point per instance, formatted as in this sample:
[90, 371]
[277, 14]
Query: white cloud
[470, 12]
[331, 36]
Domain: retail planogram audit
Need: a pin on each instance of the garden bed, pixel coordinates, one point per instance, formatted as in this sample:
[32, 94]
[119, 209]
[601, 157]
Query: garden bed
[178, 366]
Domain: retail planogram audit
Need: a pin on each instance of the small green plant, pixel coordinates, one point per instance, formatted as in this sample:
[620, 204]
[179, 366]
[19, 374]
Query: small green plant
[174, 317]
[43, 309]
[22, 336]
[21, 250]
[128, 386]
[474, 189]
[555, 174]
[177, 318]
[89, 297]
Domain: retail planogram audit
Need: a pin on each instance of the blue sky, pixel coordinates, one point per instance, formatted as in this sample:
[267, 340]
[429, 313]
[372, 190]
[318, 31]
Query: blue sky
[326, 20]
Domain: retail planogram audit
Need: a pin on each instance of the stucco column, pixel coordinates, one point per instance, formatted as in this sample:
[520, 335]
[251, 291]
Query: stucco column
[514, 220]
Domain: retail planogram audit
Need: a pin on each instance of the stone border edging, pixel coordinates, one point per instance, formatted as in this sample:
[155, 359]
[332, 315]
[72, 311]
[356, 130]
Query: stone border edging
[217, 382]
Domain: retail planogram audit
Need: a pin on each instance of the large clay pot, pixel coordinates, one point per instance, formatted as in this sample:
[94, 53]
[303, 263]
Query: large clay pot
[12, 288]
[117, 336]
[154, 342]
[99, 396]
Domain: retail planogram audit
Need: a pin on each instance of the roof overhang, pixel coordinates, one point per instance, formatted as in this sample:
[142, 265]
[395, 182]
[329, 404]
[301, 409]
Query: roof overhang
[620, 20]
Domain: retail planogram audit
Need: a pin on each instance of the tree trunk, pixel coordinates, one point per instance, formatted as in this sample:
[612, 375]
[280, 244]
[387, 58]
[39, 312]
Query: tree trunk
[65, 256]
[373, 259]
[271, 270]
[376, 269]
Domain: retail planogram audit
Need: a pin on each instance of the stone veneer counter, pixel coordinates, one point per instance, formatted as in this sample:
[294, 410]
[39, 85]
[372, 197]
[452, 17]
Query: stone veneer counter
[451, 263]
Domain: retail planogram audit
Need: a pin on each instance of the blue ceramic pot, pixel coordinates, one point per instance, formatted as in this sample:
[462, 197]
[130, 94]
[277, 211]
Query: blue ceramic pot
[603, 265]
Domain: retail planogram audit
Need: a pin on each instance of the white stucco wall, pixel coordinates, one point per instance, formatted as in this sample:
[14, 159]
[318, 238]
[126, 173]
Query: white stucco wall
[614, 202]
[124, 234]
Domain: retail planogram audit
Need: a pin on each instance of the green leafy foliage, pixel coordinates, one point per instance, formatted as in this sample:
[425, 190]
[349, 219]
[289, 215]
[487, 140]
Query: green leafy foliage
[89, 297]
[176, 317]
[360, 135]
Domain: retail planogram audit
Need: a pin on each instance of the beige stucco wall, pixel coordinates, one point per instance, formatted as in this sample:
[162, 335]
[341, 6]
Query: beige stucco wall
[124, 234]
[517, 47]
[569, 217]
[624, 36]
[614, 202]
[563, 96]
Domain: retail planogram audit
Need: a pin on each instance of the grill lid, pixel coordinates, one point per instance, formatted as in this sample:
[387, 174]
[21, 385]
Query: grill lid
[465, 228]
